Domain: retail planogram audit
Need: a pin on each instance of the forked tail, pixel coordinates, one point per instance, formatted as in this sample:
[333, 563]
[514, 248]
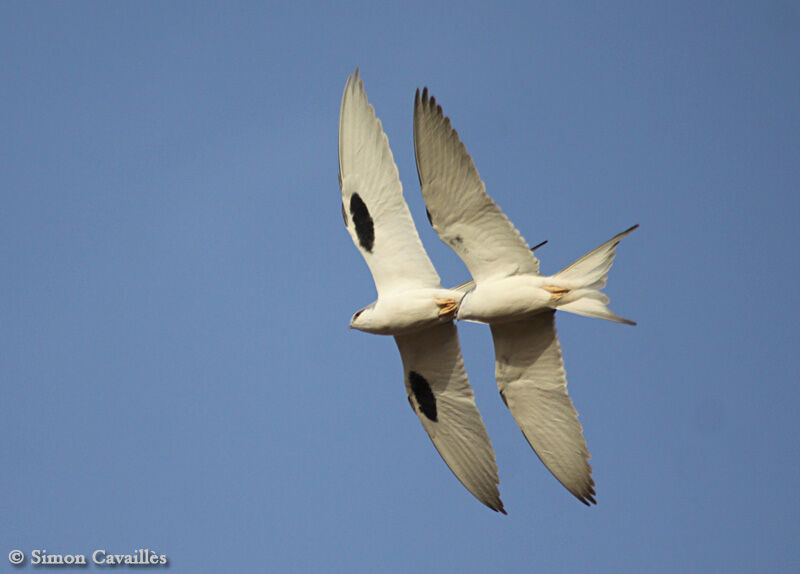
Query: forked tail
[585, 278]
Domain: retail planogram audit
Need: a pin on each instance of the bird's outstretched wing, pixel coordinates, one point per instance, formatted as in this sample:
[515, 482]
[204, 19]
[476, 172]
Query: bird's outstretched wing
[530, 374]
[373, 208]
[440, 394]
[460, 210]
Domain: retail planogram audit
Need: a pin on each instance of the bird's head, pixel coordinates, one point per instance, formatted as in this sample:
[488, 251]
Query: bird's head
[361, 319]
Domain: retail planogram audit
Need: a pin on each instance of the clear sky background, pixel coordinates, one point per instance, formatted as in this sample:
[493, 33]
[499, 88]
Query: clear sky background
[176, 370]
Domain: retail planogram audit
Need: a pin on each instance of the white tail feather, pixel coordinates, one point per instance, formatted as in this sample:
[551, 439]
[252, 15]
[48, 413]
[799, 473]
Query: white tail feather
[586, 277]
[590, 306]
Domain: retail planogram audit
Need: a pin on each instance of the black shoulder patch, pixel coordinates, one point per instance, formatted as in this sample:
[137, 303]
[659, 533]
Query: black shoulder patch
[363, 222]
[344, 214]
[423, 394]
[428, 213]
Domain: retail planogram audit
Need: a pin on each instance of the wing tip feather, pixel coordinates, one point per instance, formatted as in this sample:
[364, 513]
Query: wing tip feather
[586, 494]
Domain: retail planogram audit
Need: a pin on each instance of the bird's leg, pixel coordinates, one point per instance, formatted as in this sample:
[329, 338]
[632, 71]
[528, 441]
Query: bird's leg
[446, 307]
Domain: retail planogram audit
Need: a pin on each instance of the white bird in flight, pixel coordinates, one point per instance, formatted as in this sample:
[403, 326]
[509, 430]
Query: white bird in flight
[512, 296]
[411, 304]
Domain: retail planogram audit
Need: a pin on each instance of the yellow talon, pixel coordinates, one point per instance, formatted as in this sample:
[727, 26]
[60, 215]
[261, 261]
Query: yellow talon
[557, 292]
[446, 307]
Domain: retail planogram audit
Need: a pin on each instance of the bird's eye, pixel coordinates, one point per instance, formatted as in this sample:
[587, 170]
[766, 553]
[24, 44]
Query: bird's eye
[357, 314]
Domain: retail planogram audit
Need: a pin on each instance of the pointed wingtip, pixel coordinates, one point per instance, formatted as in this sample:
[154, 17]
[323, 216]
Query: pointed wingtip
[587, 497]
[494, 503]
[354, 76]
[426, 99]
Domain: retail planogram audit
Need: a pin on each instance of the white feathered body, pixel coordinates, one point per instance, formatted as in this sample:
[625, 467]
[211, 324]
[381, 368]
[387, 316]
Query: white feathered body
[404, 312]
[576, 289]
[506, 299]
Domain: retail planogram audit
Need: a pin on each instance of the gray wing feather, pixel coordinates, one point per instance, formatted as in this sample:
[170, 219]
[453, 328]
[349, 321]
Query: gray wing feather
[373, 207]
[531, 378]
[460, 210]
[440, 394]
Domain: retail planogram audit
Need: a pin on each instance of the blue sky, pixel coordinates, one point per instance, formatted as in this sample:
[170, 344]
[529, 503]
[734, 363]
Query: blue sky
[177, 373]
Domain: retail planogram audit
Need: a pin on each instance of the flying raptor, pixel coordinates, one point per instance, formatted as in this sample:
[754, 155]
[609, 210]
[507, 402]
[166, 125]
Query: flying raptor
[513, 297]
[412, 305]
